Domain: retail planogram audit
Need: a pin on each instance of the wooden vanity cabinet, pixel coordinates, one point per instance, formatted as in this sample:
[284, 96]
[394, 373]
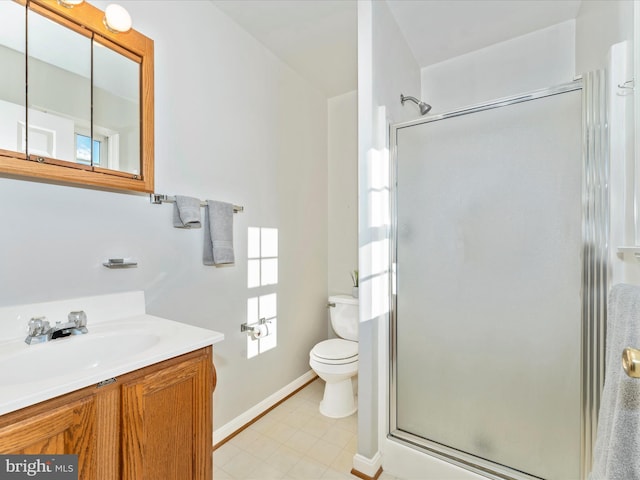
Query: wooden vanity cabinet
[62, 425]
[153, 423]
[166, 418]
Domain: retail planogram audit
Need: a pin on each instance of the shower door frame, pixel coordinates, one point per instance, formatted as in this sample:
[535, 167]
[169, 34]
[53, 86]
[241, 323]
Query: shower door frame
[595, 272]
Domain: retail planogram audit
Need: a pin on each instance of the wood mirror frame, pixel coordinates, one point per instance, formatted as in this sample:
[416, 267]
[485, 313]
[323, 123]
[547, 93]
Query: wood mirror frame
[131, 44]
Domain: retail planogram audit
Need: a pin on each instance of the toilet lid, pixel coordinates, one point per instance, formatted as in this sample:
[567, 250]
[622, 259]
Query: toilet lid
[336, 349]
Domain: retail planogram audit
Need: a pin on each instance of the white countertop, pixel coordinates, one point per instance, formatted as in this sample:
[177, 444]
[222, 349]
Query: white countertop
[33, 373]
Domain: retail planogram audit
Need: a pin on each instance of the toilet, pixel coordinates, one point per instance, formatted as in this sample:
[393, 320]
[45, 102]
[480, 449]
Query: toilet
[336, 360]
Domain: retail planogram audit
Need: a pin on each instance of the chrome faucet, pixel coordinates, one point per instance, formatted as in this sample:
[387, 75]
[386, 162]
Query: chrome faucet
[41, 331]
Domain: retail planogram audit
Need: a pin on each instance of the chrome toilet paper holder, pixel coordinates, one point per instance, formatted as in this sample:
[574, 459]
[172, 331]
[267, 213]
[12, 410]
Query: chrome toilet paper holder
[252, 328]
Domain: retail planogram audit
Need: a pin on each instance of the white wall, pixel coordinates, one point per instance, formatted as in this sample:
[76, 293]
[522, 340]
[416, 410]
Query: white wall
[386, 68]
[599, 25]
[343, 190]
[537, 60]
[232, 123]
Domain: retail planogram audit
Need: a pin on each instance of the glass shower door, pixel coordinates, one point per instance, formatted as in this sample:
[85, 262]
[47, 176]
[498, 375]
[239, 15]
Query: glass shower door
[488, 285]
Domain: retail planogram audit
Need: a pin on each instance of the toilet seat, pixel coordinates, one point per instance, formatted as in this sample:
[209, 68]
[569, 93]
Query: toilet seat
[335, 351]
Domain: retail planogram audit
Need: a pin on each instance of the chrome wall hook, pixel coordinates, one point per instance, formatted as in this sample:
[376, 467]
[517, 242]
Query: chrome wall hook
[626, 88]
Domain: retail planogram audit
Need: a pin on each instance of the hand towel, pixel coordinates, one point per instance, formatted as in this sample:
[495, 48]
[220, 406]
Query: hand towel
[616, 453]
[186, 212]
[218, 233]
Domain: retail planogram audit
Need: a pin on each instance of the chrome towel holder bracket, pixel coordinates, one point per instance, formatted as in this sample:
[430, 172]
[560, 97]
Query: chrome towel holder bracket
[157, 199]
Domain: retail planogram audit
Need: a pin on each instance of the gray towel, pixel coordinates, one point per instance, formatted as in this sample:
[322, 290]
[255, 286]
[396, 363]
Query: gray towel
[218, 233]
[616, 453]
[186, 212]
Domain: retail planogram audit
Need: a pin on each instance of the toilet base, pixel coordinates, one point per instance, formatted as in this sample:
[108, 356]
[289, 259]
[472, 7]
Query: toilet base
[338, 400]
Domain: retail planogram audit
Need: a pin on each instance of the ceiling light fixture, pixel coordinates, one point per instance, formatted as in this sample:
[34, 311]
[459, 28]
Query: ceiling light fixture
[117, 19]
[70, 3]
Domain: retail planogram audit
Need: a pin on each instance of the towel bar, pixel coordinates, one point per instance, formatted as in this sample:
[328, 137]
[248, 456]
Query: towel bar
[631, 362]
[157, 199]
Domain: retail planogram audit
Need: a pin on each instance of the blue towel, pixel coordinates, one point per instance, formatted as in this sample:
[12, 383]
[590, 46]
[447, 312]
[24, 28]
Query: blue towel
[218, 233]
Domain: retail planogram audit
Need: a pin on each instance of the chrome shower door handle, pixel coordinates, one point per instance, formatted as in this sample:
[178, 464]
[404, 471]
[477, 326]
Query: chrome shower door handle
[631, 362]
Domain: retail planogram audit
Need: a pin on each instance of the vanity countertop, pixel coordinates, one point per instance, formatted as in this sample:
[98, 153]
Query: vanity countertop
[30, 374]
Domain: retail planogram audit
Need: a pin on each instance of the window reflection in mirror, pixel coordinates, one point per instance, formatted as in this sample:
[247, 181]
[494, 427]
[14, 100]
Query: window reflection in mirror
[116, 107]
[59, 90]
[12, 79]
[88, 152]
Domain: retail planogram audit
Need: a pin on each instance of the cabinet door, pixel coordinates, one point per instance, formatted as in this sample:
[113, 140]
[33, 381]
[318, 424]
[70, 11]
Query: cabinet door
[61, 429]
[166, 422]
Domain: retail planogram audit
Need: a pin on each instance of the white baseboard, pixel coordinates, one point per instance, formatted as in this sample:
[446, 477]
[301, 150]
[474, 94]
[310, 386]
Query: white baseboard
[367, 466]
[243, 419]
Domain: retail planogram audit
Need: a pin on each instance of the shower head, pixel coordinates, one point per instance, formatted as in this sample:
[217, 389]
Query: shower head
[424, 107]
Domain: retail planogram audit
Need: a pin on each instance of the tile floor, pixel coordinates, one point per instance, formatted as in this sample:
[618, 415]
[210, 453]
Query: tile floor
[293, 441]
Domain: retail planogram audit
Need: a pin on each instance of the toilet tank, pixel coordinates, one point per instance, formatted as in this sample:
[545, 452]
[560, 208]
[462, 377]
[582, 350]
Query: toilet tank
[344, 316]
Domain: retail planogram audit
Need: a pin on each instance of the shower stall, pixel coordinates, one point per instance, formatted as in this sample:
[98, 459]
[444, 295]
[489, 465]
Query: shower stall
[499, 261]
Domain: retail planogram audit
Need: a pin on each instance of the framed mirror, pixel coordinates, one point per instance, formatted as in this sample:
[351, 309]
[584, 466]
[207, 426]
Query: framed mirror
[87, 114]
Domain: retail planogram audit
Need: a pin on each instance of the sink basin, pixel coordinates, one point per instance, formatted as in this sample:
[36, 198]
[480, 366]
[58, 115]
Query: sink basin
[116, 345]
[75, 354]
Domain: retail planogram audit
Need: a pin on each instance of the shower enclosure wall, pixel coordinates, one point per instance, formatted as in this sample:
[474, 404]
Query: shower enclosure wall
[499, 260]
